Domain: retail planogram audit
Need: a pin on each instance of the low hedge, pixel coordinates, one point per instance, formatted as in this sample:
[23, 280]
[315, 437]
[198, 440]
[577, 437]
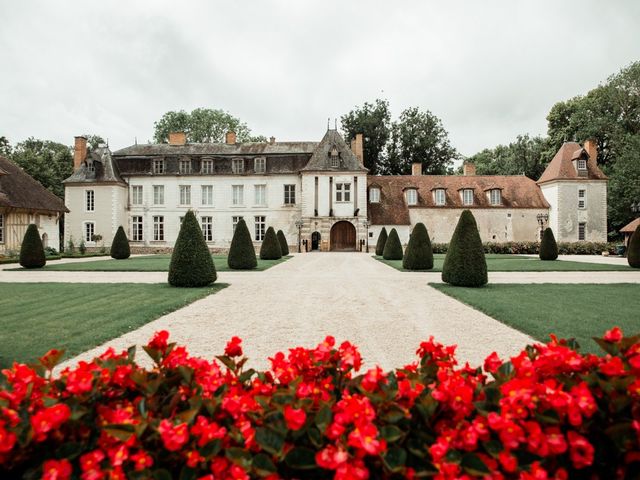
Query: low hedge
[533, 248]
[549, 412]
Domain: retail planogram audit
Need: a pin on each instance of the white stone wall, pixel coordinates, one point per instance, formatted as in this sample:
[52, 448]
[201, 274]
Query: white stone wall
[15, 223]
[340, 209]
[374, 231]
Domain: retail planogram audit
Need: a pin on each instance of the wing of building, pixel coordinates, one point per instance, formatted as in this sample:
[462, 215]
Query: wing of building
[318, 193]
[23, 200]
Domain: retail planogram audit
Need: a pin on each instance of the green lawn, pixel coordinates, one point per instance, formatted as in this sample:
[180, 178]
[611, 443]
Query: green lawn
[516, 263]
[150, 263]
[35, 317]
[579, 311]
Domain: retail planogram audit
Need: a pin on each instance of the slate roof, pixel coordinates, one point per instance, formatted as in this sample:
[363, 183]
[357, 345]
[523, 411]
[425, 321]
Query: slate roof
[105, 169]
[517, 192]
[561, 166]
[19, 190]
[249, 148]
[321, 161]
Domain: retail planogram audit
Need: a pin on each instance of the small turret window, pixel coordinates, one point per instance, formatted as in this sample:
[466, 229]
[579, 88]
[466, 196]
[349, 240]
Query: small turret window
[582, 164]
[335, 157]
[374, 195]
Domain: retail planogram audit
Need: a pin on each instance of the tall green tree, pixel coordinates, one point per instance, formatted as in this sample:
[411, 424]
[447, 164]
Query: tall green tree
[5, 146]
[203, 125]
[373, 120]
[624, 183]
[419, 136]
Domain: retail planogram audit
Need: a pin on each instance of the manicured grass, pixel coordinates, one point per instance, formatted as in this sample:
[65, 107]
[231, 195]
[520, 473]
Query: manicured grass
[579, 311]
[516, 263]
[35, 317]
[150, 263]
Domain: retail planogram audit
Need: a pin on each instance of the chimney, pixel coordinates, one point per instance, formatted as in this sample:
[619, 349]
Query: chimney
[416, 169]
[79, 152]
[357, 147]
[177, 138]
[591, 146]
[230, 138]
[468, 169]
[272, 140]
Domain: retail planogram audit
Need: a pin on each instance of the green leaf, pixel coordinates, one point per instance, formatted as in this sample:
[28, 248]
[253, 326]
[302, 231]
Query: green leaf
[162, 474]
[246, 375]
[301, 458]
[122, 432]
[186, 372]
[394, 414]
[69, 450]
[188, 415]
[315, 437]
[269, 440]
[227, 361]
[390, 433]
[323, 418]
[50, 361]
[493, 447]
[395, 459]
[283, 398]
[188, 474]
[154, 353]
[263, 465]
[239, 456]
[131, 353]
[610, 348]
[473, 465]
[211, 449]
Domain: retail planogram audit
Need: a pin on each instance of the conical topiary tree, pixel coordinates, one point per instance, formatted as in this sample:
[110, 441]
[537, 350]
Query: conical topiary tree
[382, 240]
[191, 263]
[120, 245]
[31, 250]
[270, 249]
[633, 249]
[242, 255]
[548, 245]
[284, 247]
[465, 264]
[418, 255]
[393, 247]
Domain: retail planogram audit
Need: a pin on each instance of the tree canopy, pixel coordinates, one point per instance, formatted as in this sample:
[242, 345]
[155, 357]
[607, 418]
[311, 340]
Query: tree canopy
[203, 125]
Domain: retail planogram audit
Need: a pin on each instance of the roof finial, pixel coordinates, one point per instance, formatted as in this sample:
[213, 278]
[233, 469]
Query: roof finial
[328, 123]
[335, 123]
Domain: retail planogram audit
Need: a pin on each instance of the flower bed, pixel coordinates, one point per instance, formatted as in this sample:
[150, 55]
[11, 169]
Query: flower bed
[550, 412]
[533, 248]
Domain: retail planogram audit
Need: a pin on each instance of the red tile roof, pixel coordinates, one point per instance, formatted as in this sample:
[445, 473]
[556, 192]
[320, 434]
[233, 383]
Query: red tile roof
[631, 226]
[517, 192]
[561, 166]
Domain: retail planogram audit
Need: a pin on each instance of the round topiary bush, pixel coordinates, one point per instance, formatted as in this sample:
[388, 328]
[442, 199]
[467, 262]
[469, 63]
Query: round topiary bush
[284, 247]
[465, 264]
[191, 263]
[31, 250]
[548, 245]
[633, 250]
[418, 255]
[393, 247]
[120, 245]
[242, 255]
[382, 240]
[270, 249]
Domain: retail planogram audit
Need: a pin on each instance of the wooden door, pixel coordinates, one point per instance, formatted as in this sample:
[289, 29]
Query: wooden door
[343, 237]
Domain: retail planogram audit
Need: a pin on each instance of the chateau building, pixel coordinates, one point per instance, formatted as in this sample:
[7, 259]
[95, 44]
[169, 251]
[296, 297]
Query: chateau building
[318, 192]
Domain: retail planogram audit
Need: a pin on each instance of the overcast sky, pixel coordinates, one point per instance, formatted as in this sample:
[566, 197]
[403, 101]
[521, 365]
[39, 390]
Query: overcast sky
[489, 69]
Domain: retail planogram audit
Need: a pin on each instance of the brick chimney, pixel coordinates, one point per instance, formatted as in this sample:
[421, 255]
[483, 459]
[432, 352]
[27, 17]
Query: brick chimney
[230, 138]
[416, 169]
[79, 152]
[468, 169]
[177, 138]
[591, 146]
[357, 147]
[272, 140]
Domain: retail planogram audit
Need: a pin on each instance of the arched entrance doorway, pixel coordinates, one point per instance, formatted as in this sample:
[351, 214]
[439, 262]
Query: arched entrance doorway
[343, 237]
[315, 240]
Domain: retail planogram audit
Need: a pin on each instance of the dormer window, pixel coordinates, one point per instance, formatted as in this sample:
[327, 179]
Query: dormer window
[237, 165]
[467, 196]
[495, 196]
[335, 157]
[260, 164]
[207, 166]
[582, 164]
[158, 166]
[374, 195]
[91, 167]
[185, 166]
[411, 195]
[439, 196]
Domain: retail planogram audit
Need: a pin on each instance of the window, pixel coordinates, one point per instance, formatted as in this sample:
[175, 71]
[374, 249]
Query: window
[90, 200]
[260, 228]
[343, 192]
[335, 157]
[582, 198]
[158, 166]
[374, 195]
[91, 166]
[582, 164]
[260, 164]
[238, 194]
[158, 228]
[89, 231]
[158, 194]
[440, 196]
[136, 195]
[260, 194]
[412, 196]
[467, 196]
[207, 228]
[496, 197]
[136, 228]
[207, 194]
[185, 195]
[207, 165]
[185, 165]
[1, 228]
[289, 194]
[582, 231]
[237, 165]
[235, 222]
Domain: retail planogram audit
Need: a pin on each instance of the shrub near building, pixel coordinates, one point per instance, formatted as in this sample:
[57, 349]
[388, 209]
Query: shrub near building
[270, 249]
[284, 246]
[633, 252]
[382, 240]
[465, 264]
[120, 246]
[392, 247]
[242, 255]
[418, 255]
[31, 250]
[548, 246]
[191, 263]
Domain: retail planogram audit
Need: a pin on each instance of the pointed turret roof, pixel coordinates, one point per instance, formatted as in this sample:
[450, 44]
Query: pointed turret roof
[321, 159]
[561, 167]
[105, 169]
